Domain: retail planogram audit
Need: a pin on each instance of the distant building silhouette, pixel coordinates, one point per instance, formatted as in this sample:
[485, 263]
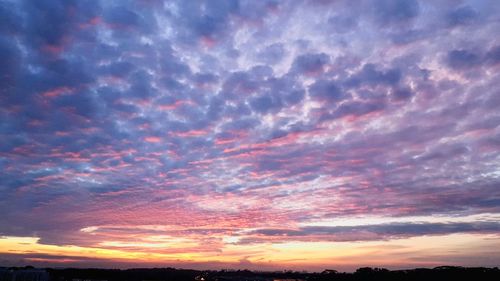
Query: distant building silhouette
[243, 278]
[171, 274]
[78, 279]
[24, 275]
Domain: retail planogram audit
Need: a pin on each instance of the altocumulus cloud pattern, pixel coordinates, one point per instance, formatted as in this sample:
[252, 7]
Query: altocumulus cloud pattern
[250, 133]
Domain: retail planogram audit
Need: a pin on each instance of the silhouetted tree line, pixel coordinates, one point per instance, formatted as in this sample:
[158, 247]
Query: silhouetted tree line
[166, 274]
[366, 273]
[443, 273]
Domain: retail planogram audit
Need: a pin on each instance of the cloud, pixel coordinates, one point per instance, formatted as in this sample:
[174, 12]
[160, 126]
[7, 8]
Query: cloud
[463, 15]
[265, 103]
[396, 11]
[327, 90]
[402, 93]
[203, 20]
[493, 55]
[310, 64]
[197, 119]
[272, 54]
[369, 74]
[11, 56]
[462, 59]
[369, 232]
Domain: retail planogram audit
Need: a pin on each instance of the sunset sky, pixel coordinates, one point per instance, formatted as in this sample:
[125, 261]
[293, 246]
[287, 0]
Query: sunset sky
[303, 135]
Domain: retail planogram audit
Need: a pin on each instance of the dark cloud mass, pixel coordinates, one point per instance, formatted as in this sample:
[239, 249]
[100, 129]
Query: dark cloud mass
[376, 232]
[253, 120]
[396, 11]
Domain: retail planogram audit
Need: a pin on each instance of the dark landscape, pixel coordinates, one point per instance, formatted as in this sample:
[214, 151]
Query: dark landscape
[281, 140]
[29, 273]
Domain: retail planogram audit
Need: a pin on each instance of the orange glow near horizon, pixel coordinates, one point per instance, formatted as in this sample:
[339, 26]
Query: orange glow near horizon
[312, 256]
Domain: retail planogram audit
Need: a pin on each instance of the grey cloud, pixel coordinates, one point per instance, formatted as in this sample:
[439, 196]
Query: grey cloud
[357, 108]
[327, 90]
[376, 232]
[310, 64]
[271, 54]
[343, 23]
[493, 55]
[205, 19]
[462, 59]
[402, 93]
[11, 66]
[371, 74]
[463, 15]
[265, 103]
[396, 11]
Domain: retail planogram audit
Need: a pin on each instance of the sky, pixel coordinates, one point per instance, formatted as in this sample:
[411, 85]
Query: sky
[304, 134]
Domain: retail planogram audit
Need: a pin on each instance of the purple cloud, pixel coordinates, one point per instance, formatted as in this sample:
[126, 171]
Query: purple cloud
[245, 119]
